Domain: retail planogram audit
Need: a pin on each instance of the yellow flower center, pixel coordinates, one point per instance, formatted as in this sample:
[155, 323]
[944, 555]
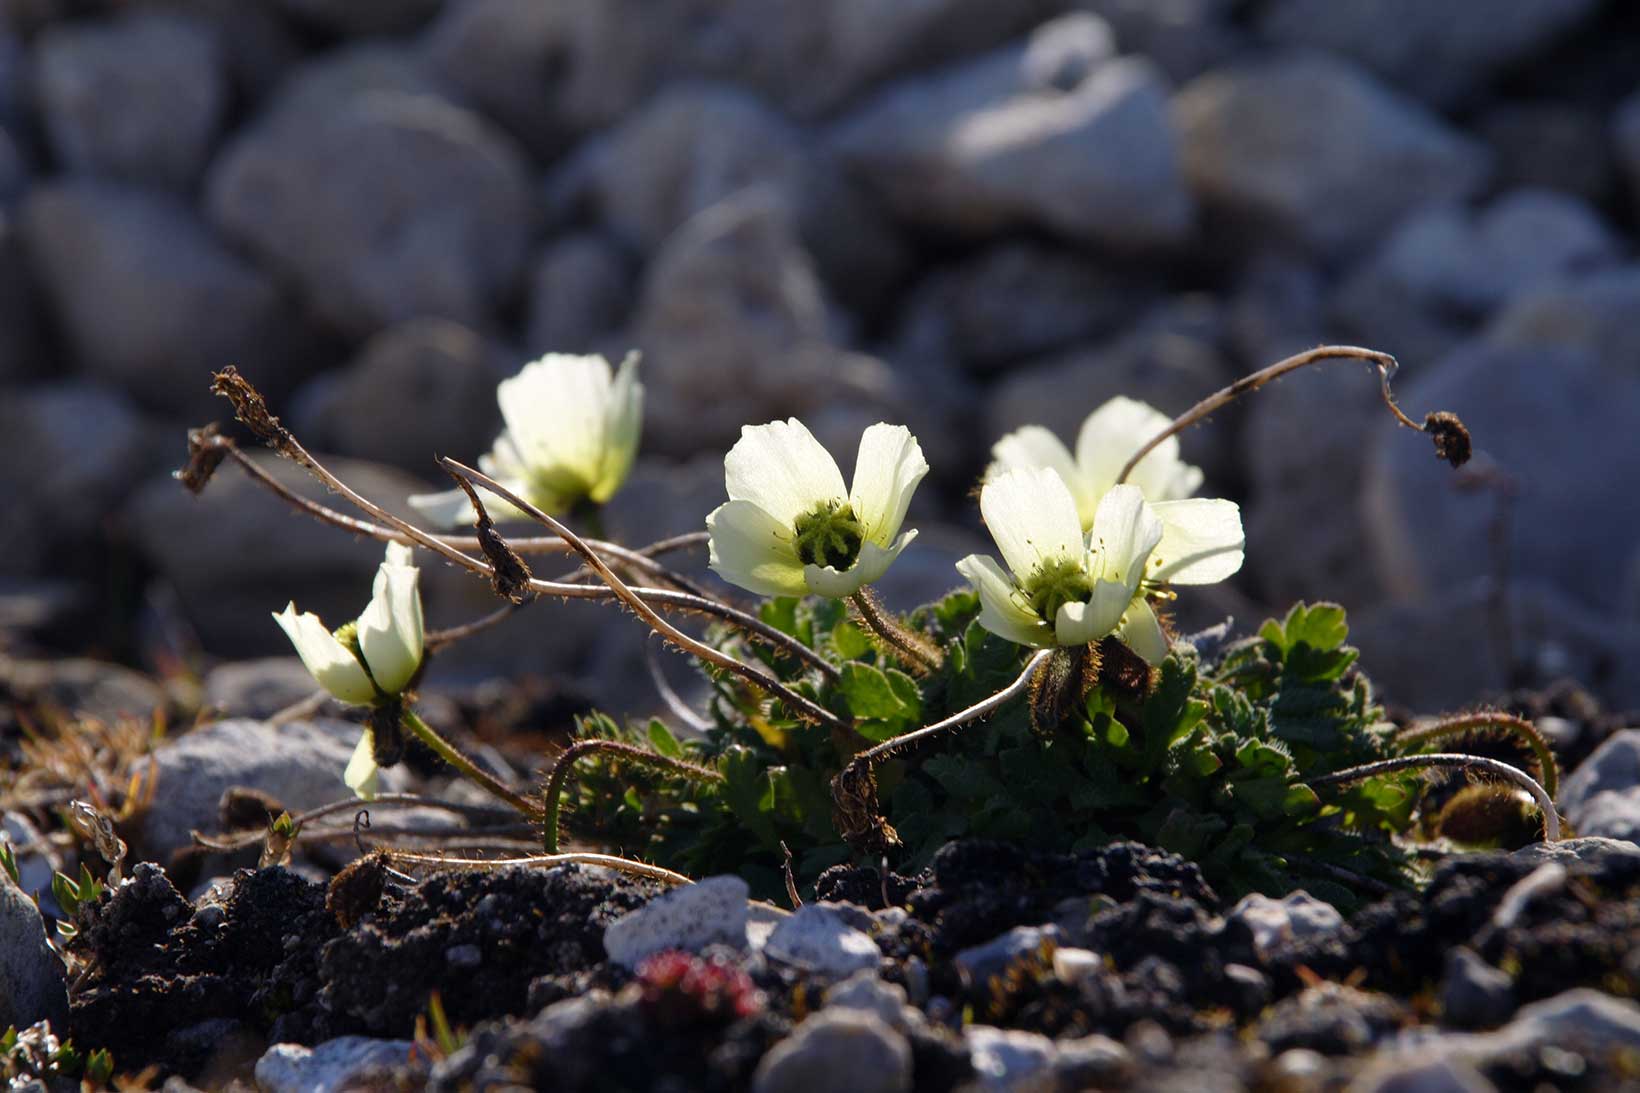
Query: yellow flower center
[1055, 584]
[829, 536]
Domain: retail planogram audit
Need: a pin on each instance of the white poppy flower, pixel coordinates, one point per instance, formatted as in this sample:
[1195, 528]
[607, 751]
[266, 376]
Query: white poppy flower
[572, 429]
[1060, 588]
[1107, 440]
[791, 527]
[371, 660]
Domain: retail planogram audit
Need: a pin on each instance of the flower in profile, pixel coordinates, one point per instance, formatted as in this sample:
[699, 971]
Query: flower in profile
[1061, 588]
[572, 428]
[370, 661]
[791, 527]
[1107, 440]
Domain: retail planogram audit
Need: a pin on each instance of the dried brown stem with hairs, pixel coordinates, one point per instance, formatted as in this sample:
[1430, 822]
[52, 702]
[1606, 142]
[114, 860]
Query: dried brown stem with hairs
[908, 647]
[552, 796]
[799, 705]
[607, 861]
[1494, 767]
[1451, 438]
[1491, 723]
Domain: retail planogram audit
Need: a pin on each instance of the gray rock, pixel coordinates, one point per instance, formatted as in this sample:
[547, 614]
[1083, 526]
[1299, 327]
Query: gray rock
[1092, 1062]
[1276, 922]
[1008, 1060]
[303, 190]
[140, 97]
[1473, 993]
[1051, 133]
[1584, 1021]
[1312, 150]
[1550, 145]
[15, 168]
[1548, 879]
[351, 71]
[694, 145]
[818, 939]
[1420, 1074]
[22, 324]
[1626, 140]
[423, 387]
[1593, 312]
[1445, 54]
[730, 292]
[83, 688]
[1559, 422]
[330, 1066]
[866, 993]
[1184, 37]
[1602, 796]
[550, 72]
[1017, 299]
[662, 499]
[1568, 851]
[36, 858]
[149, 299]
[258, 46]
[14, 77]
[1611, 815]
[836, 1049]
[581, 289]
[68, 454]
[979, 964]
[363, 17]
[31, 976]
[256, 688]
[299, 764]
[690, 917]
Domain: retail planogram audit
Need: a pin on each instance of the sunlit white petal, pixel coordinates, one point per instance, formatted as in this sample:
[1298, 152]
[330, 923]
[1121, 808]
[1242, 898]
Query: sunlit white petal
[750, 548]
[390, 629]
[1111, 436]
[1003, 608]
[783, 470]
[872, 563]
[361, 773]
[1032, 516]
[887, 469]
[1080, 623]
[623, 426]
[332, 665]
[1034, 446]
[1142, 632]
[1125, 530]
[1202, 541]
[556, 411]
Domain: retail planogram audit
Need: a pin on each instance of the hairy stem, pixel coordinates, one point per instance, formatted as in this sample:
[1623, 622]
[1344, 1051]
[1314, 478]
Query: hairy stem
[353, 804]
[552, 796]
[1491, 722]
[1451, 439]
[1546, 805]
[470, 770]
[796, 702]
[607, 861]
[911, 648]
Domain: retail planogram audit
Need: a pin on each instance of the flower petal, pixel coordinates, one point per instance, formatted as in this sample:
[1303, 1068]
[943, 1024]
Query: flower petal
[872, 563]
[1080, 623]
[1142, 632]
[361, 772]
[1034, 446]
[1032, 517]
[622, 429]
[556, 410]
[887, 469]
[747, 547]
[390, 629]
[783, 470]
[1202, 541]
[1003, 609]
[1125, 530]
[1114, 432]
[332, 665]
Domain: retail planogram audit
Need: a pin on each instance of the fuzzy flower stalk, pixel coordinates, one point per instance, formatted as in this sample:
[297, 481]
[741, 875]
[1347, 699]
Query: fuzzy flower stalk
[370, 661]
[1063, 588]
[572, 430]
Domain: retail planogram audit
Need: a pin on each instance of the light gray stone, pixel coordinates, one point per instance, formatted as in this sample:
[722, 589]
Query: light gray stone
[1008, 1060]
[299, 764]
[421, 388]
[150, 300]
[865, 992]
[256, 688]
[1184, 37]
[1558, 421]
[1276, 922]
[303, 190]
[979, 964]
[1613, 767]
[81, 687]
[837, 1049]
[581, 289]
[36, 858]
[31, 976]
[1311, 149]
[689, 918]
[1584, 849]
[818, 939]
[1052, 133]
[330, 1066]
[140, 97]
[1593, 312]
[1420, 1074]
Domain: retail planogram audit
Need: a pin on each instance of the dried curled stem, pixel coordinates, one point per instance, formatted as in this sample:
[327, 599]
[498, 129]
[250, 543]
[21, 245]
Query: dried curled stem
[1490, 722]
[796, 702]
[857, 813]
[607, 861]
[1546, 805]
[1452, 442]
[552, 796]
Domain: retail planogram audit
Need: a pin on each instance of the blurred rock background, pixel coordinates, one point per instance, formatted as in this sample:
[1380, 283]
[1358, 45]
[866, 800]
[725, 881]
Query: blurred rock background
[965, 215]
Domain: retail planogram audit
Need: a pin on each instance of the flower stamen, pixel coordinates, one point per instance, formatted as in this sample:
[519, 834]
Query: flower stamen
[829, 536]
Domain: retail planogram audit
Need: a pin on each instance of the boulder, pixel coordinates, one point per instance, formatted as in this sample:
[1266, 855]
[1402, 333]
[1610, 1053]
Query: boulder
[1593, 312]
[1053, 133]
[331, 1066]
[581, 289]
[687, 918]
[31, 976]
[837, 1049]
[1546, 144]
[363, 17]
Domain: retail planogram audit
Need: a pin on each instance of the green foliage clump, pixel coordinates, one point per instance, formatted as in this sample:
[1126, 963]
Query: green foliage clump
[1207, 757]
[35, 1056]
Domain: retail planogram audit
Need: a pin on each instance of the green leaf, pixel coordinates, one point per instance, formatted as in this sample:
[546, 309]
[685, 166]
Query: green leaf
[880, 694]
[781, 613]
[748, 790]
[1170, 713]
[849, 642]
[964, 778]
[66, 892]
[662, 740]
